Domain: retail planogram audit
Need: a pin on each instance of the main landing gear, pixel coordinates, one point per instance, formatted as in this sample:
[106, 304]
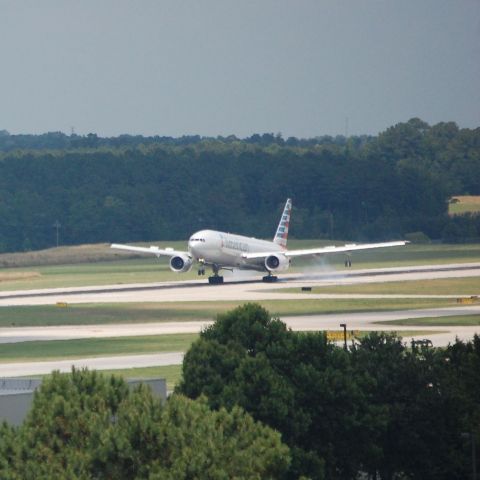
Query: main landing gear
[269, 278]
[216, 279]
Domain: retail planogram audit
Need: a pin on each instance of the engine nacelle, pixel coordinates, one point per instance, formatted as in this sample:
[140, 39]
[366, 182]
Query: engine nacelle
[181, 263]
[277, 263]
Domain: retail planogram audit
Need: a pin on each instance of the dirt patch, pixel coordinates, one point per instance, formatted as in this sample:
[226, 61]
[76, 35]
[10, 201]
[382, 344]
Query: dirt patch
[58, 256]
[13, 276]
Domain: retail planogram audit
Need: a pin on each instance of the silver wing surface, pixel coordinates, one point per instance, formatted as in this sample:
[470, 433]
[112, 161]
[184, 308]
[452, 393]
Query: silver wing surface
[167, 252]
[350, 247]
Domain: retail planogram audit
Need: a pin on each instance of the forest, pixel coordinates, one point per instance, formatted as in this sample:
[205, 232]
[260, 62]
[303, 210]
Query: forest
[133, 188]
[375, 410]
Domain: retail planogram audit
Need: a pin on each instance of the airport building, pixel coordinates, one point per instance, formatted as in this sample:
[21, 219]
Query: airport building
[16, 395]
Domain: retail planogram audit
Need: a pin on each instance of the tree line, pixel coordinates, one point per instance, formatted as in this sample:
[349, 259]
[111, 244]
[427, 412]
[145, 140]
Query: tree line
[132, 188]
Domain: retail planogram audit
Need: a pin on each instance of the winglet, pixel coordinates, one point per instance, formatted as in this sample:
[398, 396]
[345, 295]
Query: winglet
[281, 235]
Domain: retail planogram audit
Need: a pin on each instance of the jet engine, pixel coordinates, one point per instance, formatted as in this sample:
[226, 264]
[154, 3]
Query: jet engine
[276, 263]
[181, 263]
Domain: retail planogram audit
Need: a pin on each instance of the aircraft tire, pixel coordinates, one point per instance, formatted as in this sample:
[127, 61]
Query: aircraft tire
[269, 278]
[215, 280]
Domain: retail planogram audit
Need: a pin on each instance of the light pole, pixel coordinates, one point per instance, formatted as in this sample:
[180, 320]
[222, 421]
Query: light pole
[57, 226]
[344, 326]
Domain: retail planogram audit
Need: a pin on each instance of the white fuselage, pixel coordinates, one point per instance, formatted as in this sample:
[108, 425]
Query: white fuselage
[226, 250]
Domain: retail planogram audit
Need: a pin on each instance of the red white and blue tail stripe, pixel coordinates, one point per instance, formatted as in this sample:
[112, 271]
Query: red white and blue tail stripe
[281, 235]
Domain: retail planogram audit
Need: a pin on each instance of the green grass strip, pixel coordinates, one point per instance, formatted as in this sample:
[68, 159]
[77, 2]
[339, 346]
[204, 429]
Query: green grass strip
[443, 286]
[95, 347]
[102, 314]
[452, 321]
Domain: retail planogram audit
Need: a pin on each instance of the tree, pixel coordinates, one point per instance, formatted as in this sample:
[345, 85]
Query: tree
[8, 451]
[424, 405]
[375, 409]
[85, 425]
[188, 440]
[299, 384]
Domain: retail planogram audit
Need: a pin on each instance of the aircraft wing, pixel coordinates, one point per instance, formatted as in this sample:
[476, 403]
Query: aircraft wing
[350, 247]
[168, 252]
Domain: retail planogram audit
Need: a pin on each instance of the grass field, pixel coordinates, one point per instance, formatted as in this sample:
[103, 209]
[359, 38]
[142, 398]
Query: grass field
[443, 286]
[122, 269]
[464, 204]
[459, 320]
[96, 314]
[104, 347]
[101, 273]
[94, 347]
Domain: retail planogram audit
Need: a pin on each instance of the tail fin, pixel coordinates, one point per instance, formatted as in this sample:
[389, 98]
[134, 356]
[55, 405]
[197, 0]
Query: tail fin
[282, 229]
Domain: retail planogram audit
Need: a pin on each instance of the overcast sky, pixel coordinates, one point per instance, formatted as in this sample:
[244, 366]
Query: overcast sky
[220, 67]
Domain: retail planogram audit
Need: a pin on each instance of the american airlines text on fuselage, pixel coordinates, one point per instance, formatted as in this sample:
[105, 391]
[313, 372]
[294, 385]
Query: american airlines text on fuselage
[234, 244]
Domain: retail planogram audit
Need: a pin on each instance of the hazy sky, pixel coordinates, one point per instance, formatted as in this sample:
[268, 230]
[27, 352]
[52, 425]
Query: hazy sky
[220, 67]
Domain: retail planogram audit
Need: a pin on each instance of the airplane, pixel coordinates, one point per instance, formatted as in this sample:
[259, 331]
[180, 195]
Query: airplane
[226, 251]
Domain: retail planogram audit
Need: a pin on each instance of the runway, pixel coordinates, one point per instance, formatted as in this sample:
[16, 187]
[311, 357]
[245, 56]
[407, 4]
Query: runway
[245, 289]
[236, 288]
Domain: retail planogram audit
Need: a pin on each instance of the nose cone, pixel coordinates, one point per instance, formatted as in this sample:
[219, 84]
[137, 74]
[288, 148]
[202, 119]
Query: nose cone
[196, 244]
[203, 244]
